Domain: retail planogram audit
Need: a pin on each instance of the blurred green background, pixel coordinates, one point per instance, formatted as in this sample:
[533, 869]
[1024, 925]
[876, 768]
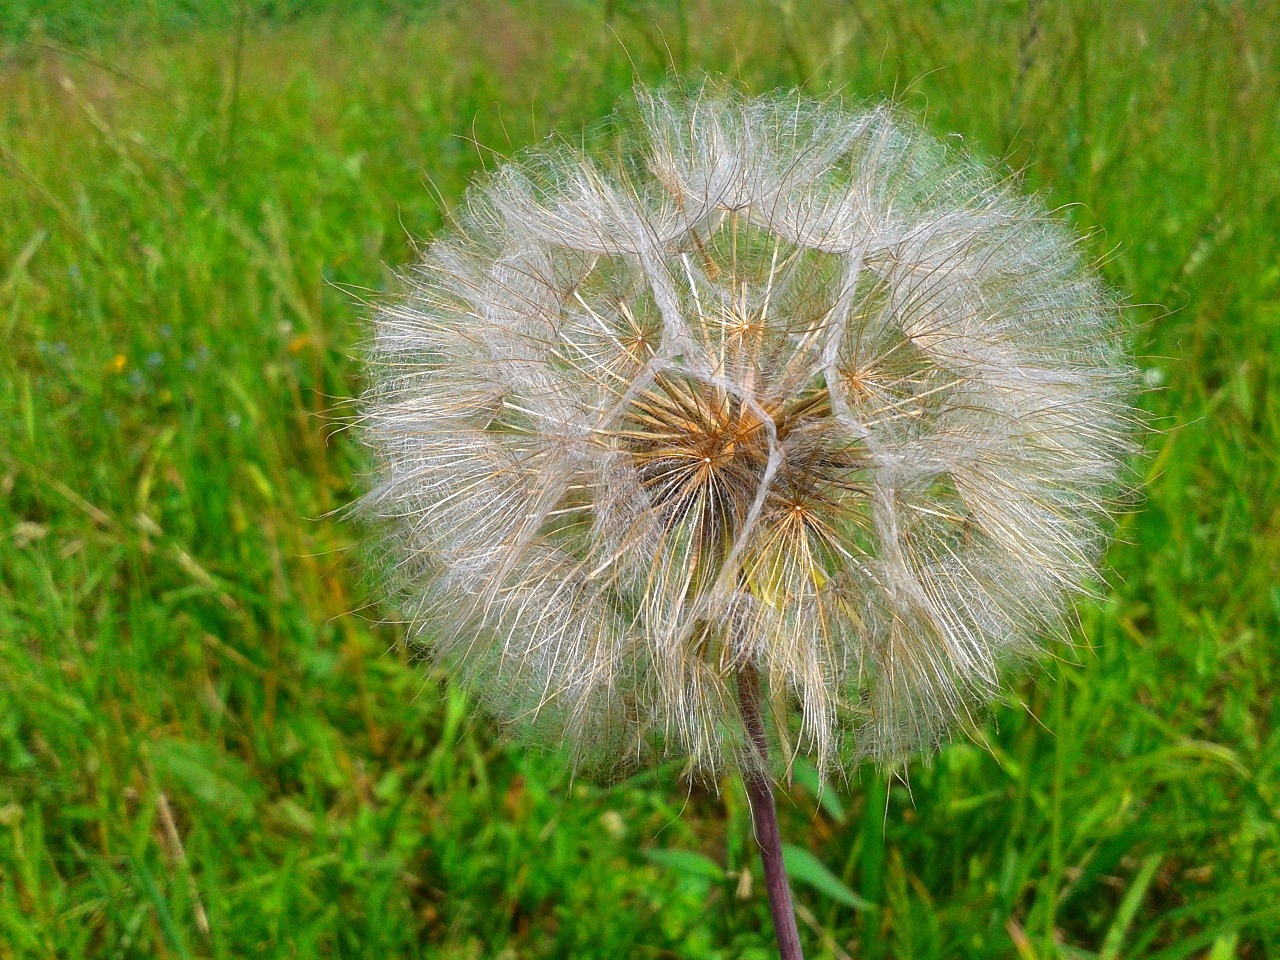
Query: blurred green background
[211, 744]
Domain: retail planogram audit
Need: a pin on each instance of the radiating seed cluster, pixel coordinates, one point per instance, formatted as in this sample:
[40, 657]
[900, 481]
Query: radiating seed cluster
[744, 383]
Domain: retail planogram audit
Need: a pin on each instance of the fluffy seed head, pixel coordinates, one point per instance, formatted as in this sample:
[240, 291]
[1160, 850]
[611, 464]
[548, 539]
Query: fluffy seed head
[744, 384]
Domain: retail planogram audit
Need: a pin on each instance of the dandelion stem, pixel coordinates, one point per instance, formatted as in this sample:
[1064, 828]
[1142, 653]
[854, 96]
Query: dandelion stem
[764, 817]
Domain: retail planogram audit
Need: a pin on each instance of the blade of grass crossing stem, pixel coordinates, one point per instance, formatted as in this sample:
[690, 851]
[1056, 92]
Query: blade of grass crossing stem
[803, 867]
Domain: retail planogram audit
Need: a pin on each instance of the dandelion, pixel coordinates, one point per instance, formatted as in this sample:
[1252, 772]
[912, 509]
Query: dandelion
[745, 428]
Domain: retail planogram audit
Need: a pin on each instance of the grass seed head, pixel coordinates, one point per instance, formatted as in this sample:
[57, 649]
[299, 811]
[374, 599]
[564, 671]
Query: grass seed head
[756, 383]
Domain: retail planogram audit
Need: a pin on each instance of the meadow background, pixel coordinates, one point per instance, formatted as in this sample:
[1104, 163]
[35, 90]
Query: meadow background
[212, 745]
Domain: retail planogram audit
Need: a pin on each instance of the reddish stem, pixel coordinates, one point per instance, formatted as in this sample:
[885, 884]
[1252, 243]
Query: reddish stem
[764, 816]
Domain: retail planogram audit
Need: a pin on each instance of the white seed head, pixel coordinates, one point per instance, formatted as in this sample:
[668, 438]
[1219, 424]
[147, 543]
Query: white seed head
[744, 384]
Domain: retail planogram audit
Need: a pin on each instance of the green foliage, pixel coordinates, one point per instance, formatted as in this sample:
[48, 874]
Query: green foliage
[81, 22]
[210, 745]
[805, 869]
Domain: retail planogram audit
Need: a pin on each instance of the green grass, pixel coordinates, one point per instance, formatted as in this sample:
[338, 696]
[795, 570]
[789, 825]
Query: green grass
[205, 753]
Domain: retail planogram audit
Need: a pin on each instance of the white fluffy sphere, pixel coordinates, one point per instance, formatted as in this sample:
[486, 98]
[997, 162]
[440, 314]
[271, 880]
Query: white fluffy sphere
[744, 384]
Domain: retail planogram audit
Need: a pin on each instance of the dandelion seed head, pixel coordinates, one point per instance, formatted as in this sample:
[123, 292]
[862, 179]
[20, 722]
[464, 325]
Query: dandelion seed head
[744, 383]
